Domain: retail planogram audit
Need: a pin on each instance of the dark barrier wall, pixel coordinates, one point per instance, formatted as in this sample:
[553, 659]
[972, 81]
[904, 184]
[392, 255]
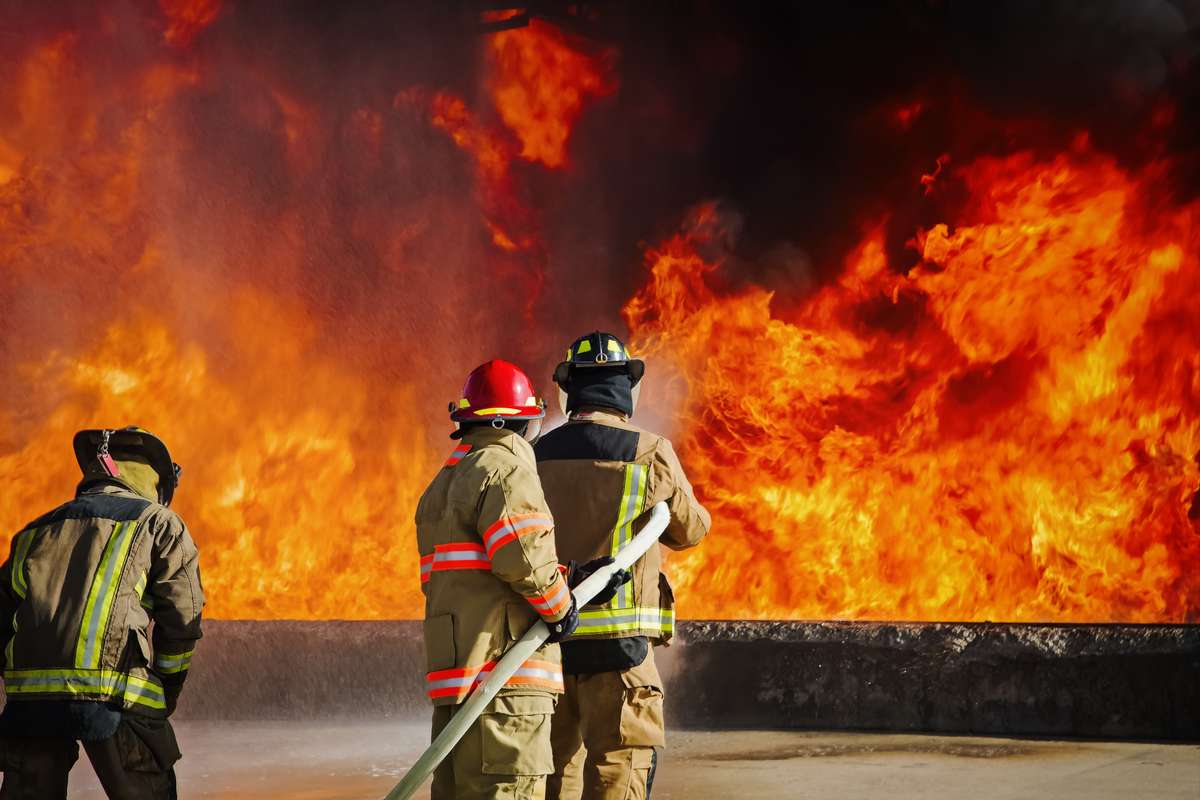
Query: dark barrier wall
[1127, 681]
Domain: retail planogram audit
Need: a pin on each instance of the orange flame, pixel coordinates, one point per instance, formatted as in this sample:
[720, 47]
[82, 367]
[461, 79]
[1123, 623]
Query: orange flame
[539, 83]
[1005, 434]
[193, 287]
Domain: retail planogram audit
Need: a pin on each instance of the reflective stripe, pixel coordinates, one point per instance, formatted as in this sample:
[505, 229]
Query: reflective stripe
[554, 601]
[460, 682]
[463, 555]
[507, 529]
[100, 598]
[633, 497]
[140, 589]
[458, 454]
[8, 650]
[584, 347]
[609, 620]
[21, 544]
[171, 663]
[75, 682]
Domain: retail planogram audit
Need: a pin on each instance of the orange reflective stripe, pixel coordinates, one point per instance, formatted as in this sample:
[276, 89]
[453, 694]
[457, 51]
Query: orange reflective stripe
[507, 529]
[458, 454]
[460, 682]
[459, 555]
[554, 601]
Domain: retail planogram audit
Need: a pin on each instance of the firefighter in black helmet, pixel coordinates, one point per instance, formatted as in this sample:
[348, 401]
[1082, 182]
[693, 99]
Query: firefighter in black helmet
[601, 475]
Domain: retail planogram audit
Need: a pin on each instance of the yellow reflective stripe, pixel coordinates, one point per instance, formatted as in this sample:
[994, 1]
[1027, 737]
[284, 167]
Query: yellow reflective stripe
[85, 682]
[171, 663]
[140, 590]
[100, 597]
[20, 582]
[633, 495]
[8, 650]
[584, 347]
[488, 412]
[609, 620]
[613, 346]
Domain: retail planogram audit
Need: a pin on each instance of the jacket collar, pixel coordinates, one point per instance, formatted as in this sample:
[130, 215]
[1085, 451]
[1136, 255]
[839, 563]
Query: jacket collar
[107, 486]
[597, 414]
[483, 436]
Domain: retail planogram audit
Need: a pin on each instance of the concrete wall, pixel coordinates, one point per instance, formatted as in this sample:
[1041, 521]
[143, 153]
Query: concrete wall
[1118, 681]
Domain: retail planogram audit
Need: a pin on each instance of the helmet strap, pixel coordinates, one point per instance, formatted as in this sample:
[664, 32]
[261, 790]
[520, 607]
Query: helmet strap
[105, 458]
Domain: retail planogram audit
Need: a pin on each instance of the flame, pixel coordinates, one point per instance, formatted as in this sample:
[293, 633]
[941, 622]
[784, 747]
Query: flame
[1006, 433]
[540, 82]
[173, 251]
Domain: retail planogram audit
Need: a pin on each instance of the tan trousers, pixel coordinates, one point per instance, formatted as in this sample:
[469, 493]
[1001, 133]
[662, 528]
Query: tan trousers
[36, 768]
[505, 754]
[606, 727]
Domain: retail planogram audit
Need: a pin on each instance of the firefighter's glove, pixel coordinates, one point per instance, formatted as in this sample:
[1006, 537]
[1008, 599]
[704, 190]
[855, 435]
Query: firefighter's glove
[578, 574]
[565, 626]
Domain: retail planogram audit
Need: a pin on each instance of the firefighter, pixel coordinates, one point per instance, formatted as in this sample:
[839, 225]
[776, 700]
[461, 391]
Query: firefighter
[489, 571]
[77, 596]
[600, 474]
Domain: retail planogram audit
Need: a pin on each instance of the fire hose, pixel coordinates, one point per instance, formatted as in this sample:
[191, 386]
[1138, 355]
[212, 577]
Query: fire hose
[516, 655]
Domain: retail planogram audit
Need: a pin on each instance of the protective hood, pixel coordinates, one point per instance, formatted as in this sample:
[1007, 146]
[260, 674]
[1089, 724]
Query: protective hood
[609, 388]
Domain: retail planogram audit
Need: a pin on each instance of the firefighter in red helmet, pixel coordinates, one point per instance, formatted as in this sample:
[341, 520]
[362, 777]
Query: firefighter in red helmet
[489, 571]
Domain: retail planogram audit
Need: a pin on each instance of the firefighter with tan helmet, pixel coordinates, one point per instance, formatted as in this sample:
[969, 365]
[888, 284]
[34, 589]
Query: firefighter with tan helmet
[600, 476]
[77, 596]
[489, 570]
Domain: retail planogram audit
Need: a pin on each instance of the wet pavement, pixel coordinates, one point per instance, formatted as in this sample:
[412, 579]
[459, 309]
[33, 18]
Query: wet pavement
[323, 761]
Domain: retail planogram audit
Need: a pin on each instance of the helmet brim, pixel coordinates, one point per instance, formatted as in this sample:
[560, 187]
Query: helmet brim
[634, 366]
[487, 414]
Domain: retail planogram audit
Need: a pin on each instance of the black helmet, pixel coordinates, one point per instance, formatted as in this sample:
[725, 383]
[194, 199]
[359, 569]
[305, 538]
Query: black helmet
[92, 444]
[598, 350]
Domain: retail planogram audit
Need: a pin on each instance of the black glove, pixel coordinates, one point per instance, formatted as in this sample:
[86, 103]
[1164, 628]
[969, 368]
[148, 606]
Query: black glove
[565, 626]
[578, 574]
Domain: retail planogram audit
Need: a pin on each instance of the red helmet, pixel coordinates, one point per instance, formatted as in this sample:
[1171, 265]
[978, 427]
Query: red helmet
[497, 390]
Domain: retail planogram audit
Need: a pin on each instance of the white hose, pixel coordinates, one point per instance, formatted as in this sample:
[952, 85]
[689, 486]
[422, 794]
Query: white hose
[512, 660]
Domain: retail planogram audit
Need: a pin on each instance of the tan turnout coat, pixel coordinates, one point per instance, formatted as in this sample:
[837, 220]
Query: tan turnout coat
[488, 568]
[601, 475]
[78, 593]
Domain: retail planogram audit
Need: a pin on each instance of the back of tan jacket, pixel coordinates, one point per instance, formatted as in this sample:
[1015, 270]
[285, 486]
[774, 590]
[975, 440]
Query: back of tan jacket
[79, 591]
[488, 567]
[600, 475]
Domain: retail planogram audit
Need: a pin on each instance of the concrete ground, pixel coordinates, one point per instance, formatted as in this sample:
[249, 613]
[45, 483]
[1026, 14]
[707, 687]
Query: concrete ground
[323, 761]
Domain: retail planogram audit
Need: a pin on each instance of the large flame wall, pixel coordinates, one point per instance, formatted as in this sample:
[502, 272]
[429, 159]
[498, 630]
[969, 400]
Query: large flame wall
[285, 272]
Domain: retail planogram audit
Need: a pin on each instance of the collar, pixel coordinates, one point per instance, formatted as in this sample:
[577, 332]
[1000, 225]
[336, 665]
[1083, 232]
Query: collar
[484, 436]
[108, 485]
[596, 414]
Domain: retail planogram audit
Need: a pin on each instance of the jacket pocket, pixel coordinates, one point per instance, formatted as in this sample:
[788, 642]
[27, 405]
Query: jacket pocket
[519, 619]
[439, 642]
[516, 735]
[138, 649]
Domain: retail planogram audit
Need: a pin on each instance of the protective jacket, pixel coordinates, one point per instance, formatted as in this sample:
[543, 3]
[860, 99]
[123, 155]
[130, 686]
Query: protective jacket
[77, 595]
[488, 567]
[600, 474]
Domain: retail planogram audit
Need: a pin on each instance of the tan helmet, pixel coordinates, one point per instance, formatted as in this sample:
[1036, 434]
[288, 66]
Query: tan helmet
[91, 445]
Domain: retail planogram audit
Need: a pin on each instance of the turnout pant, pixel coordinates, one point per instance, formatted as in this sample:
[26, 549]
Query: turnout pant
[504, 754]
[36, 768]
[605, 730]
